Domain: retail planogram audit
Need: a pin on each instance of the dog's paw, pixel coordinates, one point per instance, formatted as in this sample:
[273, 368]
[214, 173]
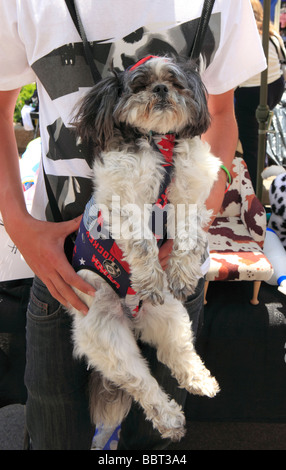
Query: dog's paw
[179, 291]
[182, 276]
[180, 283]
[170, 421]
[204, 385]
[174, 434]
[153, 296]
[149, 284]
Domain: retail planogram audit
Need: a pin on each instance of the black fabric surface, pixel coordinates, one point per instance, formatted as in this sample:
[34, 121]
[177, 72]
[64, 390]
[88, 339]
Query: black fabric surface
[244, 346]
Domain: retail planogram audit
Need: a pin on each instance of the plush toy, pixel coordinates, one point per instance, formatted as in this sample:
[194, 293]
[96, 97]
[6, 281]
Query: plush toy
[275, 239]
[277, 199]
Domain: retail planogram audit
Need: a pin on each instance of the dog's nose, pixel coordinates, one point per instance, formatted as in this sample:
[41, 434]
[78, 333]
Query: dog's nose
[161, 90]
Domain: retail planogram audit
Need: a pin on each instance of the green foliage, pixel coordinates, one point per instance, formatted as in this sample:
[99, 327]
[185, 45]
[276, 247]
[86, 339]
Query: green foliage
[25, 94]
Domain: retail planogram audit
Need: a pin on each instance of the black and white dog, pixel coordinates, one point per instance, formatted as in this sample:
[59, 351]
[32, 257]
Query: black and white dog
[145, 125]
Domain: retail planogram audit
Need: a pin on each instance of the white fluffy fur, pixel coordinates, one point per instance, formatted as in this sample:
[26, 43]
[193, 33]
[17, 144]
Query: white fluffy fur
[106, 337]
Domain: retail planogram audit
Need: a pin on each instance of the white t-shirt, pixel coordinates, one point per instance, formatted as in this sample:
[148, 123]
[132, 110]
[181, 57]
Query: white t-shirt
[39, 42]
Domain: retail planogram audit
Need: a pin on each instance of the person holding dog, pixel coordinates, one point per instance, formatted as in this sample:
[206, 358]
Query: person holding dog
[39, 42]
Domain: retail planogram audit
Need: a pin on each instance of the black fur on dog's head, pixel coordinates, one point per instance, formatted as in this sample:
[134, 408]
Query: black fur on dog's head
[158, 94]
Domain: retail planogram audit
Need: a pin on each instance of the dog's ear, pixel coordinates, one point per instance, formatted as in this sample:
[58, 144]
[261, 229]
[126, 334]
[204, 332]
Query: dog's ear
[94, 121]
[200, 114]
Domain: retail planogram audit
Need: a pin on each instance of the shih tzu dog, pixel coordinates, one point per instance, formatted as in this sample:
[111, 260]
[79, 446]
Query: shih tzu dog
[145, 126]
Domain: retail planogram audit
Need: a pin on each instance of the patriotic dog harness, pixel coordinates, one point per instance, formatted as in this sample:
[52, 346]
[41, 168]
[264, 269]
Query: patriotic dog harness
[97, 251]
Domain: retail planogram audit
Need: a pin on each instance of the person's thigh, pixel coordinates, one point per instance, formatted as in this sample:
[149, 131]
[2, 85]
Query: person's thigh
[57, 409]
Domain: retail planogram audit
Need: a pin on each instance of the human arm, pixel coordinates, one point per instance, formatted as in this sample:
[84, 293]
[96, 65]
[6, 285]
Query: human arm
[222, 136]
[41, 243]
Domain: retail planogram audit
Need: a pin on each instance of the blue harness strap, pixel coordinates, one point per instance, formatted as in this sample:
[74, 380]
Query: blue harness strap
[101, 255]
[97, 251]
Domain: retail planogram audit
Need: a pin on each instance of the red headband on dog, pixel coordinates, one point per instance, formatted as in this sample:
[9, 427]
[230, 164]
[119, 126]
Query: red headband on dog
[142, 61]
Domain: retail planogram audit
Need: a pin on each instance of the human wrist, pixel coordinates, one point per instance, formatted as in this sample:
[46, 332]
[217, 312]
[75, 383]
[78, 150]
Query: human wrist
[228, 176]
[15, 218]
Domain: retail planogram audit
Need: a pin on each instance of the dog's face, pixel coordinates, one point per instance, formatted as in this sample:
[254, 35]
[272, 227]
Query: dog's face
[159, 95]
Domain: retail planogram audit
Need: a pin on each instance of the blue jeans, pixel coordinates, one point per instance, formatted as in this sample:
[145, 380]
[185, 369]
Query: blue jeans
[57, 409]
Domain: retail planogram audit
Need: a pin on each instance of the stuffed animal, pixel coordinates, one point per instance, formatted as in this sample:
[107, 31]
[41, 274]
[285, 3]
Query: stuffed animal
[275, 239]
[277, 199]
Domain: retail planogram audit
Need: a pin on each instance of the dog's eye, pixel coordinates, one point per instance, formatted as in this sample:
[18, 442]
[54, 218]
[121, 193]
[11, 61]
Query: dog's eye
[178, 86]
[138, 87]
[139, 83]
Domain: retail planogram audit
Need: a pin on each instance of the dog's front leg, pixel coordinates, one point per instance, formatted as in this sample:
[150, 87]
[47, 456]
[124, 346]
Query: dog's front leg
[141, 253]
[184, 266]
[196, 170]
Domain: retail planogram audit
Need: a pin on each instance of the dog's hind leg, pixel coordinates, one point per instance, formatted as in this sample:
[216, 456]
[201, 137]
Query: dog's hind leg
[168, 329]
[105, 338]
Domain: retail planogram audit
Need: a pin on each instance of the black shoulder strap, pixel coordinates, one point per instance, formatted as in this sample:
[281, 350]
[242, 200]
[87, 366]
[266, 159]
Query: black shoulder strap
[195, 50]
[52, 200]
[87, 49]
[201, 29]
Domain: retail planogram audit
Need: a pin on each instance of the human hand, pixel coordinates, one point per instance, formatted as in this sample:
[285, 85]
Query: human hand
[42, 246]
[164, 253]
